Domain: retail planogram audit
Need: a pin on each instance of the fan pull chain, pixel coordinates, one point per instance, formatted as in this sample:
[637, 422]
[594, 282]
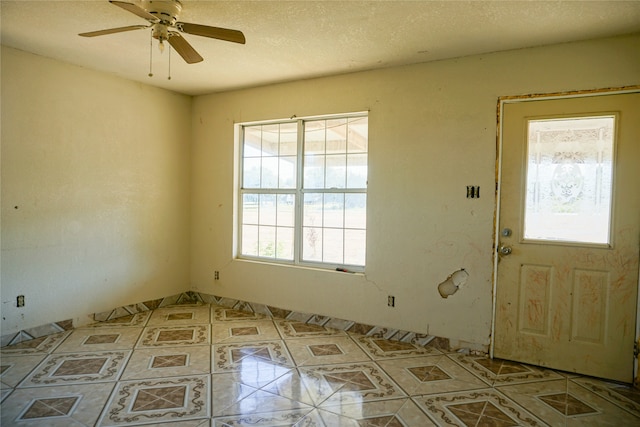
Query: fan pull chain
[151, 54]
[169, 49]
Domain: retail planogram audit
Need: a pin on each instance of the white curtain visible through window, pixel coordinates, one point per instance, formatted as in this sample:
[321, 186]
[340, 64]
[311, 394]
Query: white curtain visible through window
[303, 191]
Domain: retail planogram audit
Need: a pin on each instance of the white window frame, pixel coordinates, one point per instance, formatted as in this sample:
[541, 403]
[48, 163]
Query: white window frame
[299, 193]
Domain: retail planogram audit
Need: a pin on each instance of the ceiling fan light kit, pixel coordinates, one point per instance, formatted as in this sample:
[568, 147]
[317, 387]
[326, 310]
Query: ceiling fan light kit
[162, 17]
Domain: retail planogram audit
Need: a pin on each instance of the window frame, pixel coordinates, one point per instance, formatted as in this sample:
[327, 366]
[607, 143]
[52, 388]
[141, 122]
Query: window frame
[298, 192]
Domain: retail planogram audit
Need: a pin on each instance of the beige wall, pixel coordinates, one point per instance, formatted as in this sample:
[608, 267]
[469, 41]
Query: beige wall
[95, 191]
[108, 177]
[432, 132]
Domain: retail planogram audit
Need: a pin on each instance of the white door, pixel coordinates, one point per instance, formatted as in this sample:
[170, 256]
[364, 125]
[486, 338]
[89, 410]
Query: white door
[569, 226]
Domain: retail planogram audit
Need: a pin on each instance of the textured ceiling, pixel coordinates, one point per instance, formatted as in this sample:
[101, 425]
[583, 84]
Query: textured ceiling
[290, 40]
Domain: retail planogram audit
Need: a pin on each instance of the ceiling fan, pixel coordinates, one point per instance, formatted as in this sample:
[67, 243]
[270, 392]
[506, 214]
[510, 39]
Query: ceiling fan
[163, 16]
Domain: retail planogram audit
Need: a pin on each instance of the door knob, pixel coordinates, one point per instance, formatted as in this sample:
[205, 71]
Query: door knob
[504, 250]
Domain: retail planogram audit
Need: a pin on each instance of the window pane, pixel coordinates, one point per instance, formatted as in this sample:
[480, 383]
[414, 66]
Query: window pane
[336, 136]
[289, 139]
[270, 140]
[333, 214]
[267, 209]
[358, 136]
[333, 245]
[357, 171]
[288, 167]
[355, 215]
[252, 141]
[336, 171]
[312, 244]
[355, 246]
[284, 246]
[251, 176]
[250, 240]
[250, 208]
[569, 179]
[314, 171]
[269, 172]
[312, 211]
[314, 137]
[286, 210]
[267, 242]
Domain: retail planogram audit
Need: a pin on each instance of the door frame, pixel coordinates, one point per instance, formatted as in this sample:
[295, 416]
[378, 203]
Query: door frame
[502, 100]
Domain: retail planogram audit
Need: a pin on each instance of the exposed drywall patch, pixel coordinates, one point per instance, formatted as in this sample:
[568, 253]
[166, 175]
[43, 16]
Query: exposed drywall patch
[452, 283]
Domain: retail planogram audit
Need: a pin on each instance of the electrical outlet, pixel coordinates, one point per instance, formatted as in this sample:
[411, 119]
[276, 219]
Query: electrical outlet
[216, 275]
[391, 301]
[20, 301]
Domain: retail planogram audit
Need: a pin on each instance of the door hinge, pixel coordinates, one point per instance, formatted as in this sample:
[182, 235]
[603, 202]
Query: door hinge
[636, 349]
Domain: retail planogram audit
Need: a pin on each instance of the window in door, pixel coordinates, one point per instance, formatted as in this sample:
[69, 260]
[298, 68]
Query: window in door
[569, 180]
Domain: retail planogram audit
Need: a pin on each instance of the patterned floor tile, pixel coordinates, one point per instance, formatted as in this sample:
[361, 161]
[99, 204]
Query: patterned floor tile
[349, 383]
[172, 336]
[224, 314]
[99, 339]
[285, 418]
[42, 345]
[243, 331]
[246, 357]
[563, 402]
[13, 369]
[322, 351]
[430, 374]
[228, 389]
[292, 386]
[77, 368]
[166, 399]
[168, 362]
[137, 319]
[322, 418]
[241, 368]
[193, 423]
[380, 348]
[61, 406]
[262, 402]
[500, 372]
[624, 396]
[180, 315]
[388, 413]
[293, 329]
[476, 408]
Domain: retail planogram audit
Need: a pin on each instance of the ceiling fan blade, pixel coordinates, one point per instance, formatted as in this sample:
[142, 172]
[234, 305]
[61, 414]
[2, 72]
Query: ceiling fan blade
[212, 32]
[112, 30]
[183, 47]
[136, 10]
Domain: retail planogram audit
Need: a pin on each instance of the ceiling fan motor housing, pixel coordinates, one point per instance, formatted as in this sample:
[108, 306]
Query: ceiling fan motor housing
[167, 11]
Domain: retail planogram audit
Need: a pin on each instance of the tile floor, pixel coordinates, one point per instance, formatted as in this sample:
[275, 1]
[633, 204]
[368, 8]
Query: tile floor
[206, 365]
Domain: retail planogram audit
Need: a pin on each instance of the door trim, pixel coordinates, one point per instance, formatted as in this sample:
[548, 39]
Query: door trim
[502, 100]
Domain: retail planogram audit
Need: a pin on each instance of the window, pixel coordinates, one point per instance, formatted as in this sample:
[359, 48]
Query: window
[569, 180]
[303, 191]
